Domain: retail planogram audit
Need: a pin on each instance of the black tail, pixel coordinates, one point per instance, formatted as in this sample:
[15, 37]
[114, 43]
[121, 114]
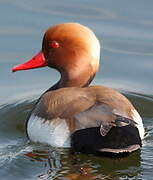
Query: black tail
[118, 140]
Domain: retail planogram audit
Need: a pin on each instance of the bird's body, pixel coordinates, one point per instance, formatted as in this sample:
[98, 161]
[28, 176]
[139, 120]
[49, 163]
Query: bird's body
[71, 113]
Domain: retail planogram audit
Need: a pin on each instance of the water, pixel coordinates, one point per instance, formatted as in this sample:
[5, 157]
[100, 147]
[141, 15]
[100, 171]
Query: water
[125, 32]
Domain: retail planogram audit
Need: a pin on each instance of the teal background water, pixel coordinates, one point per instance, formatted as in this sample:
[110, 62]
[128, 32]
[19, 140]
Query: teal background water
[124, 29]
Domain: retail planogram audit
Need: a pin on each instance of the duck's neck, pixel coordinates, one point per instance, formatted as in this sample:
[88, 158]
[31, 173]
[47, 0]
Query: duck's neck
[74, 79]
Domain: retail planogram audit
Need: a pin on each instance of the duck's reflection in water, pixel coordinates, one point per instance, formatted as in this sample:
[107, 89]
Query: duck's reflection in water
[62, 164]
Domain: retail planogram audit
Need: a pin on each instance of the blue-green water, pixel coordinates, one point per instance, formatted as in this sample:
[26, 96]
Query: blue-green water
[124, 29]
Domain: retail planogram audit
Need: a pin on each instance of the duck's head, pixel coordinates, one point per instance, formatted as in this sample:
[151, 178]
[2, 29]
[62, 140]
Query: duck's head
[72, 49]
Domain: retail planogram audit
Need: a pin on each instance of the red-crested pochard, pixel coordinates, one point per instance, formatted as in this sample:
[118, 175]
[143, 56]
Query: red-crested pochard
[72, 114]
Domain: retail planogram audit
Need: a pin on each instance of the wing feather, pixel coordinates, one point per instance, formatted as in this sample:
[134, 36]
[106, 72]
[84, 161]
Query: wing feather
[85, 106]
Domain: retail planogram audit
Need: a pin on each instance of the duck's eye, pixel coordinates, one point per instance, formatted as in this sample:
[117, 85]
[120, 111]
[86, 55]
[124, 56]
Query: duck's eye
[54, 44]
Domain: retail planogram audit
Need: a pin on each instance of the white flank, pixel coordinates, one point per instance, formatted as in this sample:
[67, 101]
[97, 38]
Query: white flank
[54, 132]
[138, 120]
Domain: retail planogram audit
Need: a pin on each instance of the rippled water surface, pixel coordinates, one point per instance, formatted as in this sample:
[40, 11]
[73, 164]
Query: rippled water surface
[124, 29]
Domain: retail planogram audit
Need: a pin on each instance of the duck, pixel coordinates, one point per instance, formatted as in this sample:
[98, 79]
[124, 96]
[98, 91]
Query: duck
[72, 114]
